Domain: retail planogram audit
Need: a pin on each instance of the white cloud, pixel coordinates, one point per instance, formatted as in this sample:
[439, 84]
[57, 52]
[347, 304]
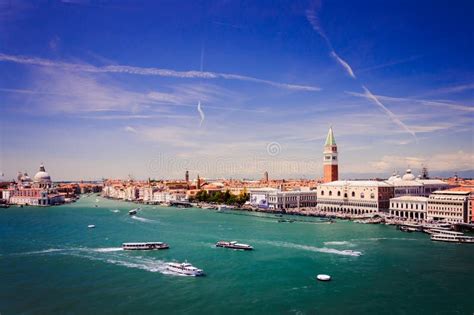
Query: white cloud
[130, 129]
[437, 162]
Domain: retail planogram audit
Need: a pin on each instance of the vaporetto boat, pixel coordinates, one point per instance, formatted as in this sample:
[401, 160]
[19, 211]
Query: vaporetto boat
[145, 246]
[184, 269]
[452, 238]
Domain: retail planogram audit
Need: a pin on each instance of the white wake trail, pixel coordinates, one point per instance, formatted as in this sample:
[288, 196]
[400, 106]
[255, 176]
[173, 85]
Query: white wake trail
[345, 252]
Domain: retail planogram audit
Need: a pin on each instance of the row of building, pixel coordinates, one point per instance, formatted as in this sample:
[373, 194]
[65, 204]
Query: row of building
[40, 190]
[406, 197]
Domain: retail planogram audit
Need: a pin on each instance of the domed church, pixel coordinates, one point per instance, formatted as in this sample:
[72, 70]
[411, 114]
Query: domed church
[42, 178]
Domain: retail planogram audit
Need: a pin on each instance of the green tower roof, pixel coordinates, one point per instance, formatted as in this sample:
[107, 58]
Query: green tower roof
[330, 140]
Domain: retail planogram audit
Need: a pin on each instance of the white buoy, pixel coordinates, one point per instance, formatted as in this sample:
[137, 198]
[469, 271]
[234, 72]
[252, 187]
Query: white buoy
[91, 226]
[323, 277]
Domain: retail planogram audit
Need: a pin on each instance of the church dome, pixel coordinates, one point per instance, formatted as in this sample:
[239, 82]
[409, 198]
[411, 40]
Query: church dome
[42, 176]
[25, 178]
[393, 177]
[408, 175]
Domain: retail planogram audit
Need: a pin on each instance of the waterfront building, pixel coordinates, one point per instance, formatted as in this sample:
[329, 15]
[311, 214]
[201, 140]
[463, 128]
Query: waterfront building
[131, 193]
[409, 185]
[37, 192]
[355, 197]
[330, 162]
[275, 199]
[449, 206]
[409, 207]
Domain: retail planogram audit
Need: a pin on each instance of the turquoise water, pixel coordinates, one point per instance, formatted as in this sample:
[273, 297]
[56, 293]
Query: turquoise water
[51, 263]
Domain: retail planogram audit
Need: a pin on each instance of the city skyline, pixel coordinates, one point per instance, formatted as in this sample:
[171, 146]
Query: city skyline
[107, 90]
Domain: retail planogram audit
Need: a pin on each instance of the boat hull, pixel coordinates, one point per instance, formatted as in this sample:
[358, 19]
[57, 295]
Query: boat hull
[234, 247]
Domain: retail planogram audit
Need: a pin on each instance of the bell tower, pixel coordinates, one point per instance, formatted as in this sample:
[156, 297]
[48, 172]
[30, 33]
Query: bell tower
[330, 158]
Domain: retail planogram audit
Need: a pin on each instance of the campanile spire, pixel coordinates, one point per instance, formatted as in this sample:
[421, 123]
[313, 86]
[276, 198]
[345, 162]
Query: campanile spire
[331, 172]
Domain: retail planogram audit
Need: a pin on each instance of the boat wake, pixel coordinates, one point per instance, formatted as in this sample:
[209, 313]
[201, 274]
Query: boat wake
[108, 249]
[109, 255]
[143, 219]
[345, 252]
[115, 211]
[386, 238]
[38, 252]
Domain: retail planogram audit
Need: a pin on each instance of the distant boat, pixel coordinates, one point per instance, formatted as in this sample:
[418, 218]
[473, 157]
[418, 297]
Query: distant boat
[323, 277]
[133, 211]
[225, 207]
[91, 226]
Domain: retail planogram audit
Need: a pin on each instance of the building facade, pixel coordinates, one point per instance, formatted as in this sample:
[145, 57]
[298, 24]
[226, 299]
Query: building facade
[409, 207]
[449, 206]
[275, 199]
[330, 161]
[36, 192]
[409, 185]
[355, 197]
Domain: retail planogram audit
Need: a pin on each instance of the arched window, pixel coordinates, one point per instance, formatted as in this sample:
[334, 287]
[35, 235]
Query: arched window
[362, 195]
[345, 195]
[338, 193]
[330, 193]
[372, 196]
[322, 192]
[353, 194]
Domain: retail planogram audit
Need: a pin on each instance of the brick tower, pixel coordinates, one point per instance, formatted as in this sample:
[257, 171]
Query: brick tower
[330, 158]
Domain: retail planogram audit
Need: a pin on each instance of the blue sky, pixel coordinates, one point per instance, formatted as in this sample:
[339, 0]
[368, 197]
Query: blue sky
[111, 88]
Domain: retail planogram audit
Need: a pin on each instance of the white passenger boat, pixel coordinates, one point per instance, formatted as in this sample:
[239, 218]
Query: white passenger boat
[91, 226]
[233, 245]
[452, 238]
[444, 232]
[323, 277]
[184, 269]
[145, 246]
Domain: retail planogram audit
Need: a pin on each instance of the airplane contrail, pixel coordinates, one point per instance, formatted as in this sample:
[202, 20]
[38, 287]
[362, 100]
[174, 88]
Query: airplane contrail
[312, 17]
[150, 72]
[201, 113]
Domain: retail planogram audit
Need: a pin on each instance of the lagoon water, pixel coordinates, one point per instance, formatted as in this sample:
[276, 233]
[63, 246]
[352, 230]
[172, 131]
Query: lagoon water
[51, 263]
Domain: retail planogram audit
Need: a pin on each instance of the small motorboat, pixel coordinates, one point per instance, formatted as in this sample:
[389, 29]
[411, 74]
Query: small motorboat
[323, 277]
[133, 211]
[91, 226]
